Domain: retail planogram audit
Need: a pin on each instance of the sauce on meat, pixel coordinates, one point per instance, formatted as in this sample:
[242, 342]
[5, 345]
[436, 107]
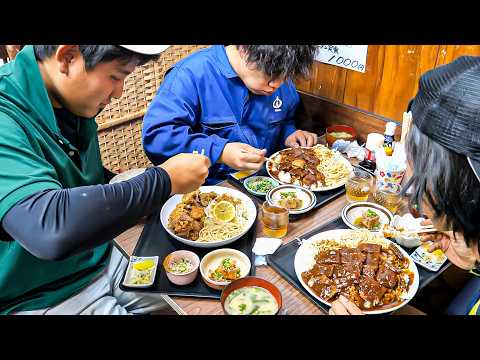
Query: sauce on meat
[369, 275]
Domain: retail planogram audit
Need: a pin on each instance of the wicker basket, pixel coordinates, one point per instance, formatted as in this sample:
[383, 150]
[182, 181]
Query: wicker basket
[120, 123]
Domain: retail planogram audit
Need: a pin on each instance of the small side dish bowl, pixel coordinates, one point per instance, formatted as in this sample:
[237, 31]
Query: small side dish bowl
[249, 282]
[281, 195]
[333, 131]
[407, 223]
[181, 267]
[260, 185]
[352, 213]
[212, 261]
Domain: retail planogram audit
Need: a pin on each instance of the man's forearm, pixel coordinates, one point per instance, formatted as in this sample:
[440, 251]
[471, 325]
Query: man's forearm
[55, 224]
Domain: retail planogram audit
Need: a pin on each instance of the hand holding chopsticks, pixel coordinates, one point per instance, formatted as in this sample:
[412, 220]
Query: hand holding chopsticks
[187, 172]
[241, 156]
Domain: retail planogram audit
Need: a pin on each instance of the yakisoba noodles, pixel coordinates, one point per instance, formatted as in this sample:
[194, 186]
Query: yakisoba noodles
[351, 239]
[215, 230]
[219, 231]
[193, 217]
[333, 170]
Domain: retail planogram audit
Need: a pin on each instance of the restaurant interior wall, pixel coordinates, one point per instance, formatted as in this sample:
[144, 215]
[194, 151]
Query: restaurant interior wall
[390, 80]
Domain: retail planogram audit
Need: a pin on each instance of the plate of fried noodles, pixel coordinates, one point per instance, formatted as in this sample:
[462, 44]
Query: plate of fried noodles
[209, 217]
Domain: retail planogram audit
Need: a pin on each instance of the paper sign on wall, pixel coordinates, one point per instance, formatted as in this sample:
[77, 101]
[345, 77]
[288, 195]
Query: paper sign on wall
[352, 57]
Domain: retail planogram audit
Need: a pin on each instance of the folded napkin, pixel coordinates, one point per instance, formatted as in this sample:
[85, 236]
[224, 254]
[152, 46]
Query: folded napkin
[265, 246]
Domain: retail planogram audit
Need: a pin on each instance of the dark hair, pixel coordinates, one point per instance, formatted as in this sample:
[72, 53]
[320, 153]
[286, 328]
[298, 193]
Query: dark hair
[287, 61]
[444, 180]
[95, 54]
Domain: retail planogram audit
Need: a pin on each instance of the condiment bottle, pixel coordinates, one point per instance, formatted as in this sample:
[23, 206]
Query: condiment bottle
[374, 141]
[388, 138]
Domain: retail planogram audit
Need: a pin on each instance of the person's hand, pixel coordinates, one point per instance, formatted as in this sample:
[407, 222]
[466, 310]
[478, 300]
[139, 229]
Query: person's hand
[301, 138]
[454, 248]
[187, 172]
[241, 156]
[343, 306]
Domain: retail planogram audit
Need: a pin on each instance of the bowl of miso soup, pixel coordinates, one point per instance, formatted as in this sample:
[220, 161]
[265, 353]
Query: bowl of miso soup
[340, 132]
[251, 295]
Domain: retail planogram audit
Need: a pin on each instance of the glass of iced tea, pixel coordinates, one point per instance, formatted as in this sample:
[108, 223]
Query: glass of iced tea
[274, 220]
[359, 185]
[388, 196]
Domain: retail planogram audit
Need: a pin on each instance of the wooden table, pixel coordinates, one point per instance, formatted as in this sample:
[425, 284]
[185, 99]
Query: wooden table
[294, 302]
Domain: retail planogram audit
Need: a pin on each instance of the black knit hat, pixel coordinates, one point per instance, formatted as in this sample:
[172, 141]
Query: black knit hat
[447, 107]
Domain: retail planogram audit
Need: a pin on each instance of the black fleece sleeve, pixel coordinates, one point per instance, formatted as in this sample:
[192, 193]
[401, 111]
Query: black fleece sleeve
[56, 224]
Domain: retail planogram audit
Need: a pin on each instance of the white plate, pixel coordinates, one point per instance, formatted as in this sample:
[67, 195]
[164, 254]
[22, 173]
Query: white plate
[308, 197]
[326, 188]
[428, 260]
[133, 260]
[354, 210]
[169, 206]
[304, 259]
[127, 175]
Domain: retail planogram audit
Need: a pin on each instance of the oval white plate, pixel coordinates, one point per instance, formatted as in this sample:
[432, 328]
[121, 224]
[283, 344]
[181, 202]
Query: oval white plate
[355, 210]
[308, 197]
[326, 188]
[169, 206]
[304, 259]
[126, 175]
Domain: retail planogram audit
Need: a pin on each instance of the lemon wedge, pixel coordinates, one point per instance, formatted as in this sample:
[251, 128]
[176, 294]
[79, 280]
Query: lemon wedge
[224, 211]
[438, 253]
[143, 265]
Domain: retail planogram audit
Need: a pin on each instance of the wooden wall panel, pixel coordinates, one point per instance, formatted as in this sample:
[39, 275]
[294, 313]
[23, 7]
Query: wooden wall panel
[361, 88]
[326, 81]
[324, 112]
[448, 53]
[390, 80]
[397, 81]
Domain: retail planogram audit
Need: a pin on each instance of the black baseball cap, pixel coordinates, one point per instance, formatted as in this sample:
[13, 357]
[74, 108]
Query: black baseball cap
[447, 107]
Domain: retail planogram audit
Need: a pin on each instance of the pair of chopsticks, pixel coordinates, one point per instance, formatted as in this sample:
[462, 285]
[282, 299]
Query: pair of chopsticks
[423, 230]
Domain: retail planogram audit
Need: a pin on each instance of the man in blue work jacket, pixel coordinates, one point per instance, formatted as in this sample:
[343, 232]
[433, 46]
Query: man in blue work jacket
[235, 103]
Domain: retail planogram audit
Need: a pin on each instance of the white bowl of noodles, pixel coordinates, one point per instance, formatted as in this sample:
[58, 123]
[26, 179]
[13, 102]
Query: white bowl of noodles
[212, 233]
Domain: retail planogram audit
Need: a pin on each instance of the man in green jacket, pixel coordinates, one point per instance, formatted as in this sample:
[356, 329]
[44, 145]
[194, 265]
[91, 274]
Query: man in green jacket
[58, 214]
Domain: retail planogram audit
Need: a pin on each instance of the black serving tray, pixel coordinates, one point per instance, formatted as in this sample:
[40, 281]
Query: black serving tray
[283, 262]
[155, 241]
[323, 197]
